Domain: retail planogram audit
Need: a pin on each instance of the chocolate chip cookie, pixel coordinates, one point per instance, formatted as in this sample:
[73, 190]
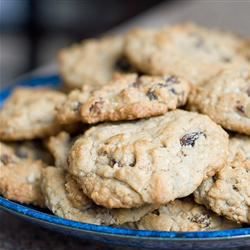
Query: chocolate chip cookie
[130, 164]
[226, 98]
[188, 50]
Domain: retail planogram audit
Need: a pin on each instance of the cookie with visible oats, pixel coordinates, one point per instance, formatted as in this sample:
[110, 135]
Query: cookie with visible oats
[93, 61]
[226, 98]
[65, 198]
[188, 50]
[136, 163]
[127, 97]
[228, 192]
[183, 215]
[20, 177]
[30, 113]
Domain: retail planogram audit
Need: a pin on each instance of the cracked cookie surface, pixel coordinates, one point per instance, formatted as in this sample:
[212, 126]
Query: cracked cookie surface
[187, 50]
[127, 97]
[228, 192]
[20, 177]
[226, 98]
[93, 62]
[135, 163]
[183, 215]
[30, 113]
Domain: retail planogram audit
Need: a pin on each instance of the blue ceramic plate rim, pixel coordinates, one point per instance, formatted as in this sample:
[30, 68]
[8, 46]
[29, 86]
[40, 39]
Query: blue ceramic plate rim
[25, 211]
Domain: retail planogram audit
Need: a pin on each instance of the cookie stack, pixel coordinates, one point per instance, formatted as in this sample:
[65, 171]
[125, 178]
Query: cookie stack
[152, 131]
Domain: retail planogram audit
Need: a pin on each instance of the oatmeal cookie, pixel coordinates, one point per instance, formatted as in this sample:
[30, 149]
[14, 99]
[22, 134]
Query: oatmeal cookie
[228, 192]
[187, 50]
[20, 177]
[30, 113]
[59, 147]
[65, 198]
[127, 97]
[135, 163]
[183, 215]
[226, 98]
[93, 62]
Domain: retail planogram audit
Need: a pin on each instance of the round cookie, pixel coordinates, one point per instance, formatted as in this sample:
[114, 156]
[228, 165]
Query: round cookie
[151, 161]
[228, 192]
[127, 97]
[183, 215]
[59, 147]
[93, 61]
[30, 113]
[64, 198]
[188, 50]
[226, 98]
[20, 177]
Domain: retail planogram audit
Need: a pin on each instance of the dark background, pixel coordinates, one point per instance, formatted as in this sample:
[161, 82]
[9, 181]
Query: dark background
[32, 31]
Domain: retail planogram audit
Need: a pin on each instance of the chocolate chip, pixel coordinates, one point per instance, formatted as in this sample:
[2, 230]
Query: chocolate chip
[189, 139]
[203, 219]
[96, 107]
[151, 95]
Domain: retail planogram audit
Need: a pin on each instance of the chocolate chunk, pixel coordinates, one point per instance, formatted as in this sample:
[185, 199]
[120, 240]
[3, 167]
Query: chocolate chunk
[96, 107]
[137, 83]
[203, 219]
[151, 95]
[113, 163]
[189, 139]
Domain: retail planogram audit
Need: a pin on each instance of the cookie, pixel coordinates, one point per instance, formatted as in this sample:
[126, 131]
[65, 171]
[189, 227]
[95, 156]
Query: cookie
[20, 178]
[127, 97]
[30, 113]
[135, 163]
[226, 98]
[68, 112]
[228, 192]
[93, 62]
[183, 215]
[64, 197]
[188, 50]
[59, 147]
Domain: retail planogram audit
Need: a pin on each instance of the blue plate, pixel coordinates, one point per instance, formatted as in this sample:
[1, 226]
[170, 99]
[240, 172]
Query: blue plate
[134, 238]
